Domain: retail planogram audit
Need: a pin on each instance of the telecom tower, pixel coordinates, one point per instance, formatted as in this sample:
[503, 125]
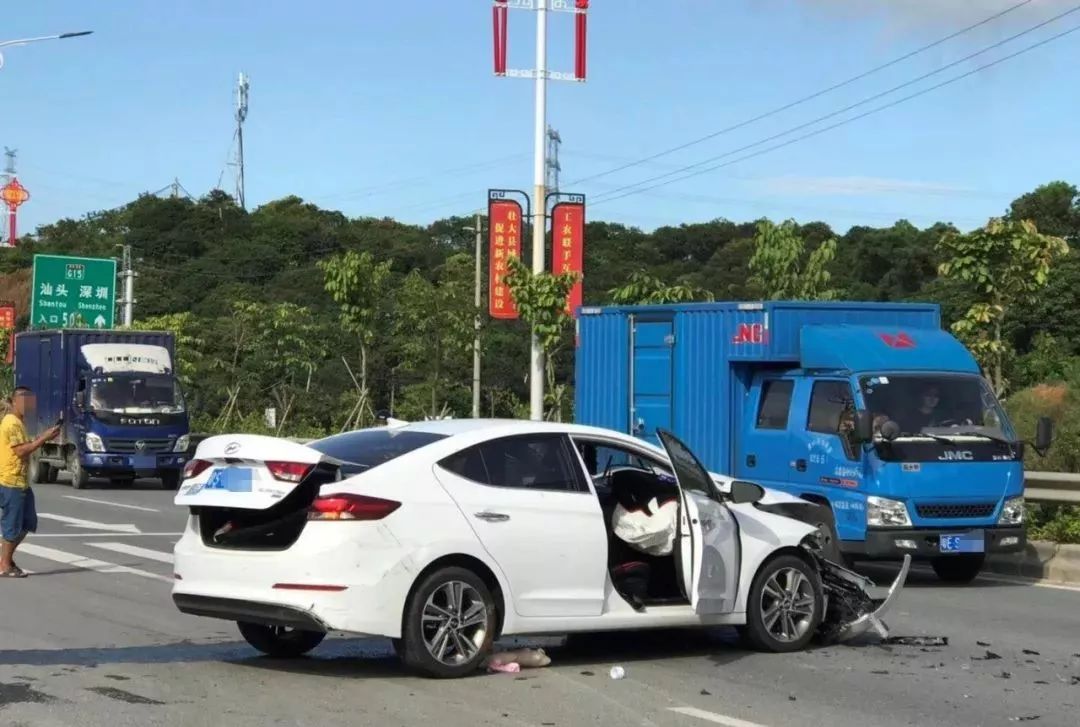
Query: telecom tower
[241, 116]
[9, 165]
[554, 141]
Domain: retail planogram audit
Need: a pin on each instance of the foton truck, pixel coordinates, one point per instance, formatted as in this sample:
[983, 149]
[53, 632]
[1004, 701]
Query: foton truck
[870, 410]
[122, 407]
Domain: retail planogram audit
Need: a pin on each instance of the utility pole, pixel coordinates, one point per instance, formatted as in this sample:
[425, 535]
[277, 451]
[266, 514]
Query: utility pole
[127, 274]
[540, 75]
[241, 116]
[476, 324]
[9, 164]
[553, 166]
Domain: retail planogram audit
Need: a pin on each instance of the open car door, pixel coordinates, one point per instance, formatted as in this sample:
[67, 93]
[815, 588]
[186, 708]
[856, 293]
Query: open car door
[708, 541]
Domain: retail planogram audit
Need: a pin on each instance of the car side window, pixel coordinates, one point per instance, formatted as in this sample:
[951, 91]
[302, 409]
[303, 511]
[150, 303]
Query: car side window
[832, 411]
[530, 462]
[600, 457]
[775, 404]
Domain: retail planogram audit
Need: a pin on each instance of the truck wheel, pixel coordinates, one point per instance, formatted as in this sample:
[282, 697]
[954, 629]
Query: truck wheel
[38, 470]
[80, 479]
[54, 474]
[278, 642]
[958, 568]
[171, 480]
[785, 606]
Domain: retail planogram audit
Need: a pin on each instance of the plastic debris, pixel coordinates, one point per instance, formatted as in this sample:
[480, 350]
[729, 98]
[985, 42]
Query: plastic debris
[511, 662]
[505, 668]
[617, 672]
[920, 641]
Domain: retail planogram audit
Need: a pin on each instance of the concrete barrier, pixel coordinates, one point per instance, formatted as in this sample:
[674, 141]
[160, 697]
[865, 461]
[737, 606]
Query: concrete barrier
[1040, 560]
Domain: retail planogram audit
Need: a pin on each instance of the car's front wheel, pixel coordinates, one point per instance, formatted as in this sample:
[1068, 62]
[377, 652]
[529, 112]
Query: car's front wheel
[449, 624]
[785, 605]
[958, 568]
[278, 641]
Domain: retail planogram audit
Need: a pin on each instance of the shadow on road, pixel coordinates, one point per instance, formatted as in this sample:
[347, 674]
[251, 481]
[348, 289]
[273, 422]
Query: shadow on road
[921, 576]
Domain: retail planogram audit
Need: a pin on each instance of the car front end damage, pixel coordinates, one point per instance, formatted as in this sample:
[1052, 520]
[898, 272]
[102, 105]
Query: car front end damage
[850, 609]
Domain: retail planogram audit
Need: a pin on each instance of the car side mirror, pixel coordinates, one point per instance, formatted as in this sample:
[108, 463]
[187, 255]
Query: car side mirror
[864, 426]
[1044, 435]
[746, 492]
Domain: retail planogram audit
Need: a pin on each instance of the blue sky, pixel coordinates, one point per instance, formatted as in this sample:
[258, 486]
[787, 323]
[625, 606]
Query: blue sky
[391, 108]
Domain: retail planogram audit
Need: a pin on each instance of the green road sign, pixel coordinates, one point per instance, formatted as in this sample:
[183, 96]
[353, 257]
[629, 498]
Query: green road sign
[72, 292]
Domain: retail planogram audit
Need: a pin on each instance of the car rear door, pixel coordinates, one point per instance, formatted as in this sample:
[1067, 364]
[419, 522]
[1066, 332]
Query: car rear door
[531, 507]
[709, 546]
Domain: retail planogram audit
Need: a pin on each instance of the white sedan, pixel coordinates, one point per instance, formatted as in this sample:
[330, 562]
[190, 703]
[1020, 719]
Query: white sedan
[446, 535]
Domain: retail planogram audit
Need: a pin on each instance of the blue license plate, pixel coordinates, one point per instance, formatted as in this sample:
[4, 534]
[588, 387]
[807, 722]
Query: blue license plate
[230, 479]
[144, 462]
[962, 543]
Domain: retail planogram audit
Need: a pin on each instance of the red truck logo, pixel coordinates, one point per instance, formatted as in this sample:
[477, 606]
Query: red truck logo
[750, 333]
[900, 340]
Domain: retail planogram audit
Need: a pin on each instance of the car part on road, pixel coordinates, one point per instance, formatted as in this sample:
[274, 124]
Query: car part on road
[958, 568]
[917, 641]
[851, 611]
[280, 642]
[449, 624]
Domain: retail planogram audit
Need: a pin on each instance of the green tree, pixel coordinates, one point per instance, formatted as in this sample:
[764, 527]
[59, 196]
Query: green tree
[781, 268]
[360, 286]
[645, 289]
[541, 302]
[1004, 265]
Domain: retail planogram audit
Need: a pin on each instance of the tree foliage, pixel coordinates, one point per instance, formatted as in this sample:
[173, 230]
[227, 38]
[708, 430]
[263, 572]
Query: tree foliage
[782, 269]
[645, 289]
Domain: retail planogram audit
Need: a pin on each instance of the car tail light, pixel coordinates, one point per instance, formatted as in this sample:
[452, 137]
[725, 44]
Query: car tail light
[350, 507]
[289, 471]
[195, 467]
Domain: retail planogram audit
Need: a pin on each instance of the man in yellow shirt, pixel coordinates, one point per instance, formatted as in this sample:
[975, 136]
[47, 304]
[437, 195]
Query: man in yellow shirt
[19, 515]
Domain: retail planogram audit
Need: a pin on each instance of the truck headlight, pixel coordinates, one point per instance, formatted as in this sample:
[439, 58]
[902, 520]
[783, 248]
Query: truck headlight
[1012, 513]
[94, 443]
[885, 513]
[182, 443]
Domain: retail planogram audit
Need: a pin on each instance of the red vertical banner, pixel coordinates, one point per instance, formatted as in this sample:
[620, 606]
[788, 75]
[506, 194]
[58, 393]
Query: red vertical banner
[7, 329]
[499, 14]
[504, 240]
[580, 39]
[568, 246]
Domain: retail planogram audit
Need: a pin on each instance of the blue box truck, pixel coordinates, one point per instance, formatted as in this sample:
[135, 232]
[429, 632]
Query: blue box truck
[869, 409]
[123, 410]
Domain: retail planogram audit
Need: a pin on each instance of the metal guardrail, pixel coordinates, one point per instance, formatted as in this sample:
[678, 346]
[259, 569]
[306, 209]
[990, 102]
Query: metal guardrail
[1060, 487]
[1057, 487]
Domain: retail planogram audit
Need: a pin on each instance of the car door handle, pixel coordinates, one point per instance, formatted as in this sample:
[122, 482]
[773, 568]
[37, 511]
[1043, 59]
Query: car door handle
[800, 465]
[491, 517]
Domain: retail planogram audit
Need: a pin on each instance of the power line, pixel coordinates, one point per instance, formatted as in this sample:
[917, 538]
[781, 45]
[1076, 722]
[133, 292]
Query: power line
[850, 107]
[822, 130]
[805, 99]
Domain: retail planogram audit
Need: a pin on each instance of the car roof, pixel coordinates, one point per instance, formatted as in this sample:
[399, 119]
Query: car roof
[455, 427]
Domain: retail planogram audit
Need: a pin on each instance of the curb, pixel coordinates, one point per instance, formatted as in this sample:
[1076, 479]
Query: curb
[1041, 561]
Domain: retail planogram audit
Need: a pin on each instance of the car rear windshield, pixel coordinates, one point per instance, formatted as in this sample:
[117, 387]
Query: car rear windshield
[360, 451]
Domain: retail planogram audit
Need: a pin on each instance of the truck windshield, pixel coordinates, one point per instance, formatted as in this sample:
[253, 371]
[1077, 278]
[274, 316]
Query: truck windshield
[940, 405]
[136, 394]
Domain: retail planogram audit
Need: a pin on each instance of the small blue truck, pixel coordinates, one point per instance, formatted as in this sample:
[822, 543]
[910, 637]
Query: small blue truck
[123, 410]
[869, 409]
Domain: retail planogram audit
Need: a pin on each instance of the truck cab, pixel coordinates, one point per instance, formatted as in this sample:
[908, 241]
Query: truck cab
[870, 410]
[124, 413]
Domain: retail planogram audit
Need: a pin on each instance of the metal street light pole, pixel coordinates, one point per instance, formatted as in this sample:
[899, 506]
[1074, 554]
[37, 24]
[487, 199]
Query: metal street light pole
[478, 229]
[536, 358]
[24, 41]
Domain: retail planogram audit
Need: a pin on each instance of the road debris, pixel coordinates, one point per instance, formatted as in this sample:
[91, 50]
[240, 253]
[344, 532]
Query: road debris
[990, 656]
[511, 662]
[1029, 718]
[917, 641]
[617, 672]
[983, 643]
[1004, 675]
[1031, 652]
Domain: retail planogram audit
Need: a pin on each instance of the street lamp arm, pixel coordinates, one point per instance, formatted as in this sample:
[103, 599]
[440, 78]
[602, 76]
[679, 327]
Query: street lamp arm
[24, 41]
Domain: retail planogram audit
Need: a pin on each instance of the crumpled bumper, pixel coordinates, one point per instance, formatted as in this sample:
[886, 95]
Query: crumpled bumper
[850, 611]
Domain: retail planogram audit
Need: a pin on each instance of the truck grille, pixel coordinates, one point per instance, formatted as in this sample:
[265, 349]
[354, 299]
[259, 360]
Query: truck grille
[130, 446]
[943, 511]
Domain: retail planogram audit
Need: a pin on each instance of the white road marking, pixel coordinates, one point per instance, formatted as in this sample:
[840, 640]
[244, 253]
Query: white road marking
[78, 561]
[35, 536]
[713, 717]
[90, 524]
[111, 504]
[135, 550]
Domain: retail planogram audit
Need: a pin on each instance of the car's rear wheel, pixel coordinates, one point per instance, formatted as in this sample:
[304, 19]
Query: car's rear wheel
[785, 606]
[279, 641]
[449, 624]
[958, 568]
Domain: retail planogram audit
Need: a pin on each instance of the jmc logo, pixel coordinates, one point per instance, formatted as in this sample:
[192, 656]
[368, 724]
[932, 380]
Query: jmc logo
[957, 456]
[750, 333]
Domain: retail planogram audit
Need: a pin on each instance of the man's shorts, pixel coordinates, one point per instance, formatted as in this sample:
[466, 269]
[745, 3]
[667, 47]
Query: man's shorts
[19, 513]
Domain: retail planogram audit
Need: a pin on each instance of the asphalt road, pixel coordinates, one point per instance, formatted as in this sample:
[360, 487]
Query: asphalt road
[92, 639]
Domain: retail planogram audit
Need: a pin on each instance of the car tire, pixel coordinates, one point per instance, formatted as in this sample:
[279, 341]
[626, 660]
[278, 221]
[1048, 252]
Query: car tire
[464, 627]
[279, 642]
[958, 568]
[799, 598]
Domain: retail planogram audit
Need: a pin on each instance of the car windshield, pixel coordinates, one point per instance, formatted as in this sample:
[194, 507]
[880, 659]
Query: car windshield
[362, 450]
[136, 394]
[935, 405]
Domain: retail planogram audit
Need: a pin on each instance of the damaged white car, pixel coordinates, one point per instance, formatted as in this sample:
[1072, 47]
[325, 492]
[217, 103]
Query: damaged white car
[445, 535]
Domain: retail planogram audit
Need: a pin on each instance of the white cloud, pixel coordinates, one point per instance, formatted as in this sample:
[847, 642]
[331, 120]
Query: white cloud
[857, 186]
